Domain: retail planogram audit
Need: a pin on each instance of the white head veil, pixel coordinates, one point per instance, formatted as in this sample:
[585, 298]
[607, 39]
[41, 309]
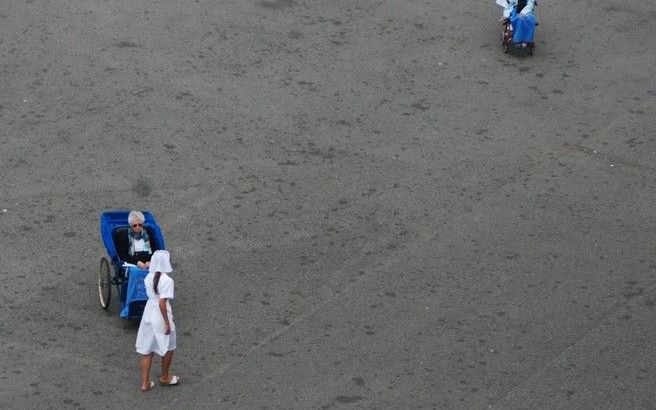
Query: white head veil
[160, 262]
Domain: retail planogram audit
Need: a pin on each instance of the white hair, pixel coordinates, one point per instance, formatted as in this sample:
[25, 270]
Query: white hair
[136, 217]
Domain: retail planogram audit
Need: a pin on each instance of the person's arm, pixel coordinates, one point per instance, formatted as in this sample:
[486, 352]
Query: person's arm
[162, 309]
[530, 4]
[509, 8]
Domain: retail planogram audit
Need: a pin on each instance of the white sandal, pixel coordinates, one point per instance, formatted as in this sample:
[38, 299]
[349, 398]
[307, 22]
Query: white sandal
[174, 380]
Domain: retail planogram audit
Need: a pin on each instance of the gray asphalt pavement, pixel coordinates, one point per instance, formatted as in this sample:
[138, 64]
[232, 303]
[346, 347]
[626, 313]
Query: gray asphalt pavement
[368, 204]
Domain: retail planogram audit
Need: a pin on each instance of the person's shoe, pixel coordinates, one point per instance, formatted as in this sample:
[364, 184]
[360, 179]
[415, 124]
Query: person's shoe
[174, 380]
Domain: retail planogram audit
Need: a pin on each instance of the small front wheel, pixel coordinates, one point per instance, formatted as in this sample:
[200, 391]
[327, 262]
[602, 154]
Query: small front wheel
[530, 49]
[104, 283]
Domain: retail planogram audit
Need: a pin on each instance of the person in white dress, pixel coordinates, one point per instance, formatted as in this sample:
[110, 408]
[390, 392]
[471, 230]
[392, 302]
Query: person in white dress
[157, 330]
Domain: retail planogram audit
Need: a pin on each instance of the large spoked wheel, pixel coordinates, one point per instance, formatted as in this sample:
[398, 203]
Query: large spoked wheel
[505, 39]
[104, 283]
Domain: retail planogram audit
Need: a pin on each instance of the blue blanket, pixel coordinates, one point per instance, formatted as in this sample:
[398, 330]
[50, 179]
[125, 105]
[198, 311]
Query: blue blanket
[523, 27]
[136, 290]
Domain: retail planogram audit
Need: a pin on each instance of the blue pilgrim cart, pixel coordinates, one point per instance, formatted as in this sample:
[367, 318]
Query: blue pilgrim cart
[128, 279]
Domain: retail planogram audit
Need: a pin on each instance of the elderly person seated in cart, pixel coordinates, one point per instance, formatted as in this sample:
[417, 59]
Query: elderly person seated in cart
[139, 246]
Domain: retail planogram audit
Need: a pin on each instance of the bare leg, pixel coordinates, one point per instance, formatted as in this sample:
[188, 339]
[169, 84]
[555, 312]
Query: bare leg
[166, 367]
[146, 361]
